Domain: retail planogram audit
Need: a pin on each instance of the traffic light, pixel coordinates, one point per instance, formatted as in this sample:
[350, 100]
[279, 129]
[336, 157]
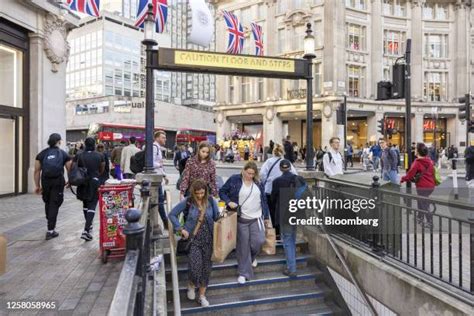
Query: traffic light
[381, 126]
[465, 109]
[341, 114]
[398, 81]
[384, 90]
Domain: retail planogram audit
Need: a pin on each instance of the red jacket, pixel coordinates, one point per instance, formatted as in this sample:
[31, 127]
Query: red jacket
[425, 166]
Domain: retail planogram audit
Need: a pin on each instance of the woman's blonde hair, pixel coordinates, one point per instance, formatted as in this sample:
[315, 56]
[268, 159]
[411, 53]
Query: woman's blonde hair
[278, 150]
[252, 165]
[198, 185]
[201, 146]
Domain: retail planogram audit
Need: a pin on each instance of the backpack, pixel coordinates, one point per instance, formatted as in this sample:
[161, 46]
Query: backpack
[301, 187]
[78, 175]
[52, 165]
[137, 162]
[321, 165]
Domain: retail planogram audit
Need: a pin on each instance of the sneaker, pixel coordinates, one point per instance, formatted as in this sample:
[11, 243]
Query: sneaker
[86, 236]
[203, 301]
[241, 280]
[289, 274]
[191, 293]
[255, 263]
[51, 235]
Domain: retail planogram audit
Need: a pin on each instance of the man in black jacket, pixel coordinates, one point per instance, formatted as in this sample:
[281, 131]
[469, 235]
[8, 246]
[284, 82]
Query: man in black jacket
[289, 154]
[283, 190]
[180, 158]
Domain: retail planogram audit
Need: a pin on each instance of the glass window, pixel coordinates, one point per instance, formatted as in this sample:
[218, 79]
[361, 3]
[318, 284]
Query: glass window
[245, 89]
[356, 4]
[441, 11]
[355, 37]
[317, 78]
[356, 80]
[394, 42]
[11, 87]
[298, 38]
[428, 11]
[436, 46]
[435, 88]
[260, 89]
[394, 7]
[231, 90]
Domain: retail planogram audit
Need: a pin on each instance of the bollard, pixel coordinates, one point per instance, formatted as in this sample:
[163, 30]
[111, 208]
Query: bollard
[133, 230]
[455, 179]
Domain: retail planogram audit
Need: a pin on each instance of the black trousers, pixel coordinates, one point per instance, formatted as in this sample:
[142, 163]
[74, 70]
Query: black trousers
[53, 197]
[89, 198]
[273, 210]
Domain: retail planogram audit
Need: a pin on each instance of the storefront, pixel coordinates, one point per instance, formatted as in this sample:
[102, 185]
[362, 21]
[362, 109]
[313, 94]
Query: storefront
[397, 127]
[14, 110]
[435, 132]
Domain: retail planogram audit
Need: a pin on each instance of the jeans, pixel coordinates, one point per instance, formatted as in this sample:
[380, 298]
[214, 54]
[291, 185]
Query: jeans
[289, 243]
[376, 162]
[128, 176]
[161, 205]
[391, 175]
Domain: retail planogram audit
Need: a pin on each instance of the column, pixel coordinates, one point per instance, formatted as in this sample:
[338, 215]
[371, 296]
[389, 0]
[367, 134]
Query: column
[372, 128]
[417, 50]
[417, 127]
[376, 51]
[334, 69]
[461, 54]
[223, 126]
[329, 127]
[272, 127]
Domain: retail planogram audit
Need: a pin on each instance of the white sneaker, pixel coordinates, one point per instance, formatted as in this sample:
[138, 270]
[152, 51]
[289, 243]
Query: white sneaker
[255, 263]
[191, 294]
[241, 279]
[203, 301]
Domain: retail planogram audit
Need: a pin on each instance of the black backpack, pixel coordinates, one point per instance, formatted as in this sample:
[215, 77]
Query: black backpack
[137, 162]
[78, 175]
[52, 165]
[321, 165]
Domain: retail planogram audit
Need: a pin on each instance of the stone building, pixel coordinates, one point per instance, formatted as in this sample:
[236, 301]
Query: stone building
[357, 42]
[33, 56]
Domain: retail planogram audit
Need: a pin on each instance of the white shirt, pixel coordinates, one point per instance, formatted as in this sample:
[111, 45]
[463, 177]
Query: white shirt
[251, 206]
[275, 173]
[334, 167]
[127, 153]
[158, 159]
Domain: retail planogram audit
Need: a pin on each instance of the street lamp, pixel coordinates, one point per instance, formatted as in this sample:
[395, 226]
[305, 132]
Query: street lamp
[149, 42]
[309, 55]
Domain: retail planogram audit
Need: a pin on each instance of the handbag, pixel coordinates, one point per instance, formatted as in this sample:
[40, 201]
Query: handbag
[239, 207]
[78, 175]
[437, 176]
[269, 247]
[183, 245]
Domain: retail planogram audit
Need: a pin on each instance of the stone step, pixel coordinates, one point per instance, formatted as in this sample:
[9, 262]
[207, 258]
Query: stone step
[258, 300]
[228, 283]
[274, 263]
[319, 309]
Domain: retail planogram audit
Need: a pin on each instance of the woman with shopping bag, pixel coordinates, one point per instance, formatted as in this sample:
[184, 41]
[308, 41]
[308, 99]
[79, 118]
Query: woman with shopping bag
[243, 192]
[200, 212]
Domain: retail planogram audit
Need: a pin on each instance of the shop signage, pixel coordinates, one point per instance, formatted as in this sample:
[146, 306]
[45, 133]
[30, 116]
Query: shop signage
[296, 94]
[126, 106]
[428, 125]
[218, 63]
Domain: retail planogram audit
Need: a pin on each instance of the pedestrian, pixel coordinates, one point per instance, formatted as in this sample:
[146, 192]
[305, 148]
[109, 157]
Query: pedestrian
[269, 172]
[349, 153]
[243, 192]
[271, 144]
[127, 153]
[282, 192]
[389, 163]
[332, 159]
[106, 174]
[158, 165]
[376, 152]
[202, 212]
[397, 151]
[366, 162]
[319, 158]
[88, 193]
[289, 154]
[469, 156]
[49, 168]
[246, 152]
[422, 173]
[180, 158]
[115, 158]
[200, 166]
[296, 150]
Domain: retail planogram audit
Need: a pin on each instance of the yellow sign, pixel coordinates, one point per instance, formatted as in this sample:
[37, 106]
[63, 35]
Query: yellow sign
[233, 61]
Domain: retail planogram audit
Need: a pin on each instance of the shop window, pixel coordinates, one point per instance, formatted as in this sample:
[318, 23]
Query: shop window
[436, 45]
[355, 37]
[394, 42]
[11, 77]
[435, 86]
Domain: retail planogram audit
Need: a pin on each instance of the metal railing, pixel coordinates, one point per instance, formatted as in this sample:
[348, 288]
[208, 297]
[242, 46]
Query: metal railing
[427, 235]
[174, 264]
[132, 290]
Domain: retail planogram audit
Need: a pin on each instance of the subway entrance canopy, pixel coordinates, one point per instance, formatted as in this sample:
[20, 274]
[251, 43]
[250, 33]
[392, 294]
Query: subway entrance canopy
[169, 59]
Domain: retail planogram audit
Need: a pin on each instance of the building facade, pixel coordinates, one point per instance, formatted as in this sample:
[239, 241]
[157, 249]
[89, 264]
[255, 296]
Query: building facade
[33, 55]
[357, 42]
[106, 80]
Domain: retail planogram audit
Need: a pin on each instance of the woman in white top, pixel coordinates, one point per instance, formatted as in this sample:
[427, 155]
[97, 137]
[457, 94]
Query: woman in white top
[269, 172]
[245, 193]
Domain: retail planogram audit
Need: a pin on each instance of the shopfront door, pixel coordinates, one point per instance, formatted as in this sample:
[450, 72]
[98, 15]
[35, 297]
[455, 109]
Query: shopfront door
[9, 162]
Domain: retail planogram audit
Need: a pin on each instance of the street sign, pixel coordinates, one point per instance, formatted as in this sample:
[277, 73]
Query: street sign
[228, 64]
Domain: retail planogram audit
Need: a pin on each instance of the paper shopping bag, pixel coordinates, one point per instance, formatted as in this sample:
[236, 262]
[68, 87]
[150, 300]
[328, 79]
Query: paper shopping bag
[225, 237]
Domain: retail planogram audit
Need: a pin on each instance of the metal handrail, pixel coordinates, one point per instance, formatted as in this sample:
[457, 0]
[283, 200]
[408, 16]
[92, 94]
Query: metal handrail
[174, 264]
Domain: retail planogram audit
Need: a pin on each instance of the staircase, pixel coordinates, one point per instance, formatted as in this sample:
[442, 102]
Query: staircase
[269, 293]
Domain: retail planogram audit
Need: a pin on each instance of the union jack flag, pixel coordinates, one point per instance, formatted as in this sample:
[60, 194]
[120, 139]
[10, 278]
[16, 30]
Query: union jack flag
[160, 12]
[258, 37]
[90, 7]
[236, 33]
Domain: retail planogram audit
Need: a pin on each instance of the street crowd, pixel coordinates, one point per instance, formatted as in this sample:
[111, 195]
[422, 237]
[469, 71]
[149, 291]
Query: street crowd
[259, 196]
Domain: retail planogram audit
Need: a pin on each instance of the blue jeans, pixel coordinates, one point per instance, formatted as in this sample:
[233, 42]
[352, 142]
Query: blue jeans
[161, 205]
[289, 243]
[376, 162]
[391, 175]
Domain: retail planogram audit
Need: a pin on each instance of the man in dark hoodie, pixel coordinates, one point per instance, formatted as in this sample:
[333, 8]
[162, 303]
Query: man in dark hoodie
[88, 193]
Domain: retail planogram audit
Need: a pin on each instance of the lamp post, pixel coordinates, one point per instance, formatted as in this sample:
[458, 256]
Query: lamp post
[149, 42]
[309, 55]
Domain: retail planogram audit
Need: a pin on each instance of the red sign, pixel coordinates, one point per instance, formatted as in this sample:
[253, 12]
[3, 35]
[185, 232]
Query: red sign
[428, 125]
[106, 136]
[389, 123]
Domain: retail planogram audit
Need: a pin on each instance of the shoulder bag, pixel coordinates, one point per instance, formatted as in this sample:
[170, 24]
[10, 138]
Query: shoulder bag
[183, 245]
